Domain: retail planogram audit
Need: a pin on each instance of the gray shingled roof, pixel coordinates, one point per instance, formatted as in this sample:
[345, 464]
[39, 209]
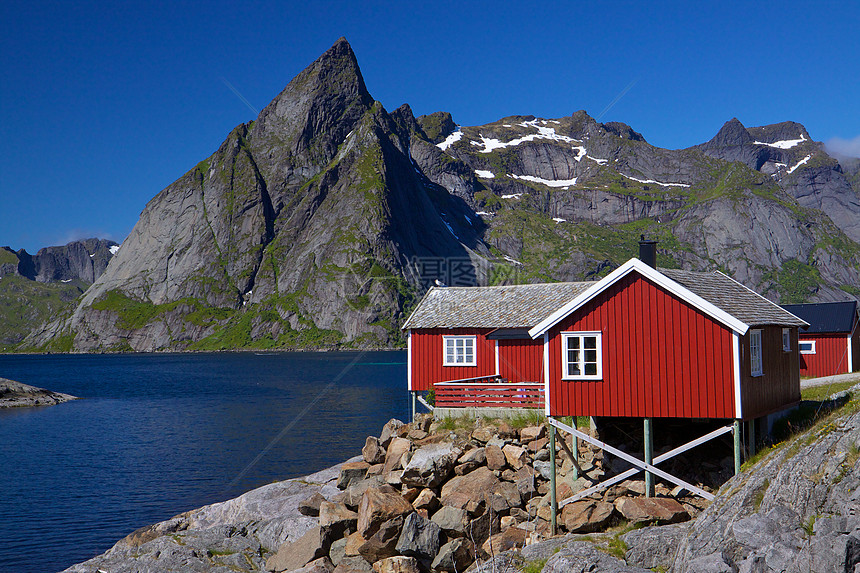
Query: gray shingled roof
[514, 306]
[525, 306]
[734, 298]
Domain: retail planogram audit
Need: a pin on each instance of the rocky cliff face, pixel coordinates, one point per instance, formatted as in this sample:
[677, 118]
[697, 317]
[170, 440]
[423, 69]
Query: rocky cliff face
[319, 223]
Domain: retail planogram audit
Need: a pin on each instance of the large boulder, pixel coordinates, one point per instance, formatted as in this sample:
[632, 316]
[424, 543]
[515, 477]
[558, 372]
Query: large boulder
[511, 538]
[311, 505]
[296, 554]
[658, 510]
[454, 556]
[397, 447]
[383, 542]
[389, 431]
[377, 506]
[495, 457]
[471, 488]
[353, 565]
[399, 564]
[586, 516]
[419, 538]
[373, 452]
[586, 557]
[336, 519]
[352, 471]
[431, 465]
[321, 565]
[516, 456]
[452, 520]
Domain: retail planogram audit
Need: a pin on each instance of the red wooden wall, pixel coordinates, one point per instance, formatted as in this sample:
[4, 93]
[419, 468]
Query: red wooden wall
[661, 358]
[426, 357]
[779, 385]
[521, 360]
[831, 355]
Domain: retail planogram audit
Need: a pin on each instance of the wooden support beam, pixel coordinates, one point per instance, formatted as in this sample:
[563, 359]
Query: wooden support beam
[737, 430]
[633, 471]
[552, 482]
[571, 456]
[649, 456]
[636, 462]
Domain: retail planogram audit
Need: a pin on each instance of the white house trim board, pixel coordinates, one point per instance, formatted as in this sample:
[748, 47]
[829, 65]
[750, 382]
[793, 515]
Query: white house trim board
[546, 373]
[850, 358]
[736, 359]
[655, 276]
[498, 370]
[409, 359]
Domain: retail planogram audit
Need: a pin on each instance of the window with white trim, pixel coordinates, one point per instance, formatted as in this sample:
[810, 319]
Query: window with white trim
[582, 356]
[459, 351]
[806, 346]
[786, 340]
[756, 368]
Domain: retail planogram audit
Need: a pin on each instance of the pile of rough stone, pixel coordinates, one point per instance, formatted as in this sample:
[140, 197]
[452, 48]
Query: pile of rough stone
[425, 499]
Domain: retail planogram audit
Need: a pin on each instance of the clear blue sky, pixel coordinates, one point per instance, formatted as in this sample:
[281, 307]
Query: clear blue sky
[103, 104]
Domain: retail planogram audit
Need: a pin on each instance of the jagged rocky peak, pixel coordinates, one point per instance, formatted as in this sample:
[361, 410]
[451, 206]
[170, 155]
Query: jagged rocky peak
[437, 126]
[623, 131]
[83, 260]
[319, 107]
[731, 134]
[786, 134]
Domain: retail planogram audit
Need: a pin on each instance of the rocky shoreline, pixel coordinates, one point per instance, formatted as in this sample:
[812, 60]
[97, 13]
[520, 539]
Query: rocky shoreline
[17, 395]
[430, 497]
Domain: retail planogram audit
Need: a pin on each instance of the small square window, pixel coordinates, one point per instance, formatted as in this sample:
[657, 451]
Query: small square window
[786, 340]
[582, 356]
[459, 351]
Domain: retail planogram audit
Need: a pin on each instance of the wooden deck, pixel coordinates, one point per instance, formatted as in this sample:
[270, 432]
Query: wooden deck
[489, 392]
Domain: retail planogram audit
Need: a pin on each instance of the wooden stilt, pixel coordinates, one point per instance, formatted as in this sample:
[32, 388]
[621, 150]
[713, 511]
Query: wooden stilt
[737, 432]
[649, 457]
[414, 404]
[553, 501]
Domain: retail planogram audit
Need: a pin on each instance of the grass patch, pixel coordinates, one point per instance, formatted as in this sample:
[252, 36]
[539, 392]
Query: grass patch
[527, 419]
[535, 566]
[821, 393]
[759, 494]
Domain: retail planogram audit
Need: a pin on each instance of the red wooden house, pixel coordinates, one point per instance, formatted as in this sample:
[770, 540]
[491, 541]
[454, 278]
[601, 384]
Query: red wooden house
[831, 343]
[641, 342]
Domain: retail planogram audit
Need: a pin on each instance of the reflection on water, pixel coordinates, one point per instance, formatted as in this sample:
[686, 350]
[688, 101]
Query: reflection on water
[156, 435]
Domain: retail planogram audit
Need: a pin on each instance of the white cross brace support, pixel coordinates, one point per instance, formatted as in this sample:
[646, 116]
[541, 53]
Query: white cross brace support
[639, 463]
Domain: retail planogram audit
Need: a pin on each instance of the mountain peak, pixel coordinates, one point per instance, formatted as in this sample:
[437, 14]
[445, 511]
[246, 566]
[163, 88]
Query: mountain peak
[732, 133]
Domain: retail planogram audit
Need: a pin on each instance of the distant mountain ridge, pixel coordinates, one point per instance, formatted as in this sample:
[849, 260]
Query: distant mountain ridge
[318, 224]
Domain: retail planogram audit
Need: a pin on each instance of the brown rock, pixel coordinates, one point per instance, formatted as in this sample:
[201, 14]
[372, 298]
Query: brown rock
[480, 528]
[411, 493]
[383, 543]
[373, 452]
[537, 445]
[311, 506]
[321, 565]
[416, 434]
[451, 520]
[516, 456]
[495, 457]
[473, 487]
[511, 538]
[355, 564]
[399, 564]
[336, 519]
[352, 495]
[463, 469]
[511, 494]
[454, 556]
[375, 470]
[393, 455]
[352, 471]
[389, 431]
[353, 542]
[660, 510]
[532, 433]
[586, 516]
[483, 434]
[292, 555]
[476, 455]
[378, 506]
[505, 430]
[426, 499]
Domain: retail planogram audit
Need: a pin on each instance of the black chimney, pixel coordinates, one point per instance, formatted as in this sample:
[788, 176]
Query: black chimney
[648, 252]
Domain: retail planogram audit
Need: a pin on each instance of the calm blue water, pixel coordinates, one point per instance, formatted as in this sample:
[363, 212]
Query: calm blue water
[157, 435]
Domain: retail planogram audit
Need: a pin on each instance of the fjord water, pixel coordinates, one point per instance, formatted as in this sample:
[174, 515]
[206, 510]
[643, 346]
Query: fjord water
[156, 435]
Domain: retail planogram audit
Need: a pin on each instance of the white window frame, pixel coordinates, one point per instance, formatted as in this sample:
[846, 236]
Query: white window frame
[756, 358]
[451, 359]
[811, 349]
[786, 340]
[565, 365]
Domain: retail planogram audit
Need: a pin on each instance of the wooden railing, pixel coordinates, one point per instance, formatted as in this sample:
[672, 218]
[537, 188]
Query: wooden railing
[489, 392]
